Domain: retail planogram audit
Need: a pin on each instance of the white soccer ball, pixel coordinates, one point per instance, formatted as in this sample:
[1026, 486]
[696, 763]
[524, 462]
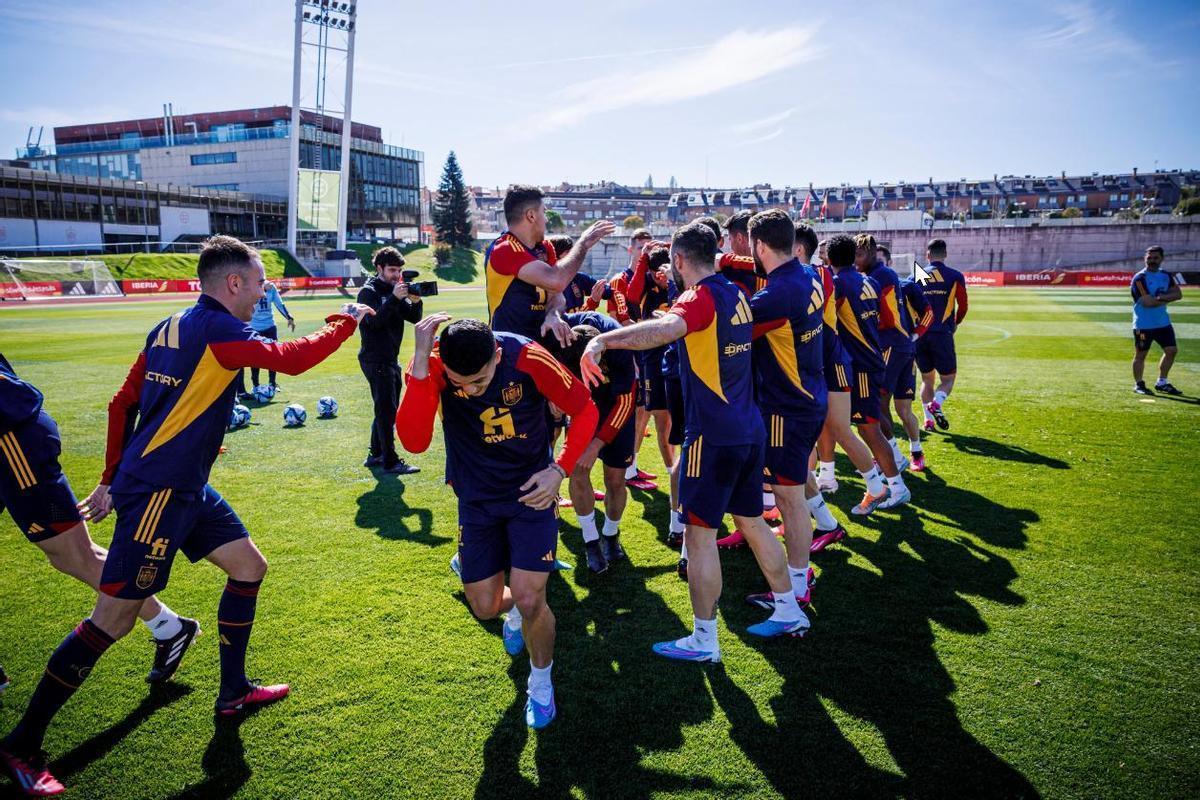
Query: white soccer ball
[327, 407]
[263, 393]
[239, 417]
[294, 415]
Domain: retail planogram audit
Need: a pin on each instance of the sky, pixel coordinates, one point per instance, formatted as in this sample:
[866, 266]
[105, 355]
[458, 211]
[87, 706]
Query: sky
[788, 93]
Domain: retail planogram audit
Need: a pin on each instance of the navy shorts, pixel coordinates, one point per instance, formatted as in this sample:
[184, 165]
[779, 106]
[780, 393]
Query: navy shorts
[720, 479]
[790, 440]
[837, 376]
[654, 385]
[619, 452]
[1165, 336]
[32, 485]
[935, 351]
[864, 399]
[153, 526]
[496, 535]
[898, 378]
[674, 389]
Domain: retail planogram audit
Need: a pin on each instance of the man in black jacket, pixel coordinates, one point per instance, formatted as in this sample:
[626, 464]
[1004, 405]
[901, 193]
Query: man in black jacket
[387, 293]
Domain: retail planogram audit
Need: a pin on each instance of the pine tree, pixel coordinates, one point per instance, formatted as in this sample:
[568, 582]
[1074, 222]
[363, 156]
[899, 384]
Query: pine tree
[452, 207]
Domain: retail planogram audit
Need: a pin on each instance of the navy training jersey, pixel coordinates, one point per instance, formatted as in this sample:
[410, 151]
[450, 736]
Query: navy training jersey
[789, 363]
[19, 401]
[893, 331]
[515, 306]
[946, 291]
[858, 319]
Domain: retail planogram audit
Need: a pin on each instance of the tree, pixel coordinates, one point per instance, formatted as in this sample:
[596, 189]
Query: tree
[554, 221]
[452, 207]
[633, 221]
[1188, 206]
[1072, 213]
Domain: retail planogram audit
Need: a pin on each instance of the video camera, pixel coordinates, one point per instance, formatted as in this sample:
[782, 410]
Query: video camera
[418, 288]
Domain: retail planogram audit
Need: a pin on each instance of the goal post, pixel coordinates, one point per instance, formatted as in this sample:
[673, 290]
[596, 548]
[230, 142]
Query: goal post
[23, 278]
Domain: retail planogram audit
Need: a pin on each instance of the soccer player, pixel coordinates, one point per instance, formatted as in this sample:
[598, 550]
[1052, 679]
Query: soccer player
[263, 323]
[1152, 290]
[613, 442]
[378, 355]
[946, 291]
[918, 316]
[626, 310]
[38, 496]
[525, 281]
[492, 390]
[857, 314]
[180, 388]
[723, 437]
[789, 371]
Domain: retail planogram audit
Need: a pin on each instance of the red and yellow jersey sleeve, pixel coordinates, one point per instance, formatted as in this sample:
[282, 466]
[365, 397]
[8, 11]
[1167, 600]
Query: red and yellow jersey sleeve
[960, 299]
[509, 255]
[122, 415]
[622, 408]
[696, 307]
[290, 358]
[568, 393]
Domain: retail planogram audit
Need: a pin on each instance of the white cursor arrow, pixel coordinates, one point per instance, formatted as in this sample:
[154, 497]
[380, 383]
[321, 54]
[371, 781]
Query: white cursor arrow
[920, 275]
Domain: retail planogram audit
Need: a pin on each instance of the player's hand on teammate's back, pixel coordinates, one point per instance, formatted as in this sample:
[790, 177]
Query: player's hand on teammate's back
[558, 326]
[357, 310]
[597, 231]
[589, 364]
[97, 505]
[542, 488]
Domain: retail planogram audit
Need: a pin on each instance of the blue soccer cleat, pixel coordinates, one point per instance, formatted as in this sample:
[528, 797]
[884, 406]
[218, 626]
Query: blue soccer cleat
[456, 566]
[896, 500]
[538, 716]
[514, 640]
[686, 650]
[770, 628]
[562, 566]
[902, 463]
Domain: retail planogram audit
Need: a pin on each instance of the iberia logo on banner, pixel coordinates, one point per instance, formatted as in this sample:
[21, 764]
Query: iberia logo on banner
[145, 286]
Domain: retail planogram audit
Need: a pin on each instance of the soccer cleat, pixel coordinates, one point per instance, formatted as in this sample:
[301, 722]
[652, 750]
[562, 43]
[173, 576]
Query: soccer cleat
[827, 483]
[1166, 388]
[598, 495]
[869, 503]
[401, 467]
[902, 463]
[822, 539]
[935, 408]
[514, 640]
[373, 461]
[772, 514]
[31, 775]
[770, 628]
[681, 569]
[642, 475]
[674, 539]
[562, 566]
[611, 547]
[1140, 388]
[257, 696]
[456, 566]
[918, 461]
[928, 425]
[896, 500]
[733, 541]
[596, 561]
[168, 653]
[767, 599]
[686, 650]
[642, 484]
[565, 502]
[538, 716]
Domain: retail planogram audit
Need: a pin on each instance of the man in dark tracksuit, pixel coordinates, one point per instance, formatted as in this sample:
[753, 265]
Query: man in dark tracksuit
[387, 293]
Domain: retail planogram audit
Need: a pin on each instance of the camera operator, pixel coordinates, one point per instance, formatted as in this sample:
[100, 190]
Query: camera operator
[386, 292]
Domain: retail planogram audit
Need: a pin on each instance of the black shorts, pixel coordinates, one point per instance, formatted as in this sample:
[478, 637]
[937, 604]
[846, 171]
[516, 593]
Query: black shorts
[32, 485]
[674, 390]
[898, 378]
[864, 399]
[494, 536]
[1164, 336]
[935, 351]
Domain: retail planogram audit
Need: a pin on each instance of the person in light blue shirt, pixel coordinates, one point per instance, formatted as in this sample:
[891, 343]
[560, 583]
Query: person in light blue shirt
[1152, 289]
[263, 322]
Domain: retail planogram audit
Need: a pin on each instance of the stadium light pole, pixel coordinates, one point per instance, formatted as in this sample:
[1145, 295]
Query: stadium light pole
[294, 133]
[347, 133]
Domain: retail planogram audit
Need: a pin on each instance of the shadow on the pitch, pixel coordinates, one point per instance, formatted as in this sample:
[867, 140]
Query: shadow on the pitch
[1182, 398]
[383, 509]
[990, 448]
[972, 512]
[98, 746]
[871, 656]
[613, 705]
[224, 762]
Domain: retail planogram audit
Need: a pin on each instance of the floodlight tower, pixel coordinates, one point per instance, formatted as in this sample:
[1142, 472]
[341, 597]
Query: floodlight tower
[323, 27]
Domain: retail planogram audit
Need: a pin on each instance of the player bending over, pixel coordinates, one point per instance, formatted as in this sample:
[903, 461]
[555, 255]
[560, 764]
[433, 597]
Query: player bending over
[492, 390]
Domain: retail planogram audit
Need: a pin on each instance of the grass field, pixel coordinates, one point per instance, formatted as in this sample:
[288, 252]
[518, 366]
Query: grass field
[1027, 626]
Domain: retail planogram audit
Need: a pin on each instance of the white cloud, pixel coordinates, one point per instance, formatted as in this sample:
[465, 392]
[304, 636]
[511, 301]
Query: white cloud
[1084, 29]
[764, 122]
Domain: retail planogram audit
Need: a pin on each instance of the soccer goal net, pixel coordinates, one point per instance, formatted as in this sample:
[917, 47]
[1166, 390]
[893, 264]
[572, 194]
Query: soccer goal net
[21, 279]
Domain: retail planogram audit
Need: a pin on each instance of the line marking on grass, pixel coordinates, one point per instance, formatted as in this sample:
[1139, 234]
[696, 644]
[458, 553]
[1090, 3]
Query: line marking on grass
[1003, 335]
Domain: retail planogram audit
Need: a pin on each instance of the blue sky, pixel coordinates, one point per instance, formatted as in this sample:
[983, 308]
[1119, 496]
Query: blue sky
[788, 92]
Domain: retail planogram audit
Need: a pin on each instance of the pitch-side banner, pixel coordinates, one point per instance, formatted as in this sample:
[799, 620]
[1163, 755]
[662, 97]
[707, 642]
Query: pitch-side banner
[317, 204]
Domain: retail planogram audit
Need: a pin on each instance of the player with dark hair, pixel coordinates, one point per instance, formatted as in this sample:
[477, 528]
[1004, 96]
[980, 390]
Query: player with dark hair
[180, 390]
[614, 442]
[946, 291]
[737, 232]
[858, 313]
[1152, 290]
[918, 316]
[492, 389]
[723, 438]
[524, 278]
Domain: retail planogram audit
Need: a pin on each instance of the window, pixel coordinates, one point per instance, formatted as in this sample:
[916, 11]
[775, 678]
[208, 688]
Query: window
[1112, 198]
[227, 187]
[1124, 197]
[214, 158]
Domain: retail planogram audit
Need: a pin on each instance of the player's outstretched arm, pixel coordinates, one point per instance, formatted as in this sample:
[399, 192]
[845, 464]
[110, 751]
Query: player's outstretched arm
[422, 388]
[296, 356]
[555, 278]
[645, 335]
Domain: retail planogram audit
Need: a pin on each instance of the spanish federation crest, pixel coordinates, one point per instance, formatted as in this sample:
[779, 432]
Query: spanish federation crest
[511, 395]
[145, 576]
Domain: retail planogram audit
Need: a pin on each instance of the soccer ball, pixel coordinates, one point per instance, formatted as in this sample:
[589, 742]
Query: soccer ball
[327, 408]
[263, 393]
[239, 417]
[294, 415]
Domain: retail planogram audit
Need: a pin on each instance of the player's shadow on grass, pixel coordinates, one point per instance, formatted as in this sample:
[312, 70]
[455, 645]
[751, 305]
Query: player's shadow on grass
[871, 656]
[990, 448]
[615, 702]
[223, 762]
[971, 512]
[384, 510]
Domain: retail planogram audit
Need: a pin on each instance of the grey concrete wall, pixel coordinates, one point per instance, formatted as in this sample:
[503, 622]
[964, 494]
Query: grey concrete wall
[261, 166]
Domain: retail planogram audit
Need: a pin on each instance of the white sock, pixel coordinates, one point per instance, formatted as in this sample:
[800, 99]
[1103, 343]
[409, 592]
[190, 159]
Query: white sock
[587, 523]
[165, 625]
[514, 618]
[540, 687]
[874, 481]
[677, 525]
[824, 469]
[704, 632]
[896, 484]
[768, 500]
[683, 550]
[914, 445]
[896, 449]
[821, 513]
[799, 577]
[610, 526]
[786, 608]
[939, 397]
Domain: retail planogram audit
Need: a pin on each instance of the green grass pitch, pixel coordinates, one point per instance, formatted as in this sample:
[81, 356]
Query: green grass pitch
[1027, 626]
